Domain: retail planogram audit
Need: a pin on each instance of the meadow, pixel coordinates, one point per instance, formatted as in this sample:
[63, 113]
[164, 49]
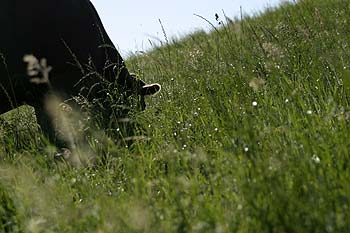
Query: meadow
[250, 133]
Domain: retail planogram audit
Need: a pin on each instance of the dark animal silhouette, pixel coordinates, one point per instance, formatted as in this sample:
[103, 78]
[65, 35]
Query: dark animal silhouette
[70, 36]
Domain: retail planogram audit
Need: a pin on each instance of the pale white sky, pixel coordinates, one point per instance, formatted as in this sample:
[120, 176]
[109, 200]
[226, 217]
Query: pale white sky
[131, 23]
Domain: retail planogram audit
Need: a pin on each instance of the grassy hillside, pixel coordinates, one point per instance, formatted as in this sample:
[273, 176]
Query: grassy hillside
[249, 134]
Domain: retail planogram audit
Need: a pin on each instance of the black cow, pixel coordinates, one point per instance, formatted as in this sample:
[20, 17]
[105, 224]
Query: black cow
[70, 36]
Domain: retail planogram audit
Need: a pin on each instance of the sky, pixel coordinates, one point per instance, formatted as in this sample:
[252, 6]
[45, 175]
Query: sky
[132, 23]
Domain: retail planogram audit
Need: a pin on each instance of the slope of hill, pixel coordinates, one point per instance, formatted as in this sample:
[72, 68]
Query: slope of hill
[249, 134]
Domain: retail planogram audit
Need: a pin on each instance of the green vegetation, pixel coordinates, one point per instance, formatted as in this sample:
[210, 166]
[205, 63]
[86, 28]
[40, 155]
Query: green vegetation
[249, 134]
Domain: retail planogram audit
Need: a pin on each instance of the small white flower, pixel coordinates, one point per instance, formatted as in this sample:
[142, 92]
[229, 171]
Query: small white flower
[316, 159]
[255, 103]
[246, 149]
[309, 112]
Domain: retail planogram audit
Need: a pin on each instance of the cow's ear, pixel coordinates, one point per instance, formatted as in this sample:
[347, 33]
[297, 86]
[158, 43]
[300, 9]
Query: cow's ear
[151, 89]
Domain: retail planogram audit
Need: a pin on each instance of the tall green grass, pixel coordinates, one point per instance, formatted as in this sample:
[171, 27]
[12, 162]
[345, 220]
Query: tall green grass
[249, 134]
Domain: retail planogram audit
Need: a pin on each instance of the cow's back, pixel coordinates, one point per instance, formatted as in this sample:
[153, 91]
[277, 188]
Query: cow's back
[53, 28]
[7, 25]
[62, 31]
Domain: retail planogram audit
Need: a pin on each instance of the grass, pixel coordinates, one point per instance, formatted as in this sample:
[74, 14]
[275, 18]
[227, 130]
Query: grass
[249, 134]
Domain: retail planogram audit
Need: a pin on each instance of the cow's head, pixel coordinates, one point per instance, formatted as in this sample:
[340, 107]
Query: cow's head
[115, 104]
[142, 89]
